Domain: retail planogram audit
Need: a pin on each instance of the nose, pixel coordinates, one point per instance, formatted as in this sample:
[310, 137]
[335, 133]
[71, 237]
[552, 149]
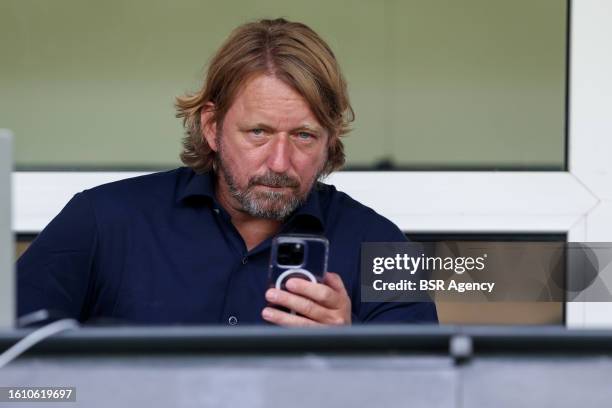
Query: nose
[279, 159]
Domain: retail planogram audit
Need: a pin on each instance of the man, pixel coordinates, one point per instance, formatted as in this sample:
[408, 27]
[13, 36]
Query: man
[192, 245]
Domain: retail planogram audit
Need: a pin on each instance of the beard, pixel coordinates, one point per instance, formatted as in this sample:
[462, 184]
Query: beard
[273, 205]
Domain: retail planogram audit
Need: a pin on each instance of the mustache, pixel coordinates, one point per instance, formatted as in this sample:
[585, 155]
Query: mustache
[274, 180]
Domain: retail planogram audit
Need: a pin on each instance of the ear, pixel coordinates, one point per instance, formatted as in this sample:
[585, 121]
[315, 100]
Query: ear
[209, 127]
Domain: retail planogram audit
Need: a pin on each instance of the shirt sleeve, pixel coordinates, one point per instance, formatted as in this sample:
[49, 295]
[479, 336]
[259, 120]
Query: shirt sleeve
[392, 312]
[55, 271]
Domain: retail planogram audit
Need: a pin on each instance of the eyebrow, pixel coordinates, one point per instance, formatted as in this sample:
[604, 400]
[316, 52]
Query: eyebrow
[314, 129]
[306, 126]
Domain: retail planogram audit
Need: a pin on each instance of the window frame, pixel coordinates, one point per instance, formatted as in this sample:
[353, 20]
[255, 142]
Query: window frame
[577, 201]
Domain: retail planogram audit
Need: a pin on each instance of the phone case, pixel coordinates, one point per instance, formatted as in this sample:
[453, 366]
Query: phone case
[285, 262]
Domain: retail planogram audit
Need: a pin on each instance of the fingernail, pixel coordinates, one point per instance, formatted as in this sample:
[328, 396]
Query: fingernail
[291, 284]
[271, 295]
[266, 313]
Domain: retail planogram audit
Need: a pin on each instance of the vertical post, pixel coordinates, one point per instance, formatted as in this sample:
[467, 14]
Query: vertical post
[7, 274]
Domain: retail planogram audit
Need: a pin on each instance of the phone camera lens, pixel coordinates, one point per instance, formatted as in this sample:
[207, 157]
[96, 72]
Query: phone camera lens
[291, 254]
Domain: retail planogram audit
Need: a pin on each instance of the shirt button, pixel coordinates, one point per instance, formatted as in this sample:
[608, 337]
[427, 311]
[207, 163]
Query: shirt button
[245, 260]
[216, 210]
[233, 320]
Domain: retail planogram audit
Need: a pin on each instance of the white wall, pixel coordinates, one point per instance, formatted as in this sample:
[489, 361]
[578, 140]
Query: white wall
[591, 126]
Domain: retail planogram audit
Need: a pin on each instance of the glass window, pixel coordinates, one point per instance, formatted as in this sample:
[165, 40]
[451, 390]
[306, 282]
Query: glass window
[520, 313]
[476, 84]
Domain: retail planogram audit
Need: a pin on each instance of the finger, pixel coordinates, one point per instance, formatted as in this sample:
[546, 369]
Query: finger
[304, 306]
[319, 293]
[281, 318]
[334, 281]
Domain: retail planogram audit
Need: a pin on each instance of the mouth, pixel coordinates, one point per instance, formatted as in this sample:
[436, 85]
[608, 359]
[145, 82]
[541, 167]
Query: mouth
[273, 187]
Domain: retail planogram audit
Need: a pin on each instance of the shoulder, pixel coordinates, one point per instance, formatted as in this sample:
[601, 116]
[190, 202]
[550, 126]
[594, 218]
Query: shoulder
[344, 212]
[141, 194]
[149, 184]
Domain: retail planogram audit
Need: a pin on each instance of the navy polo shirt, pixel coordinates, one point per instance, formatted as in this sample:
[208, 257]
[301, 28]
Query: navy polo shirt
[159, 249]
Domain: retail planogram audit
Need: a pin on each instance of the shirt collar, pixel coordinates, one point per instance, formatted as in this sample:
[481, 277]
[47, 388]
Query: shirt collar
[310, 210]
[203, 185]
[198, 185]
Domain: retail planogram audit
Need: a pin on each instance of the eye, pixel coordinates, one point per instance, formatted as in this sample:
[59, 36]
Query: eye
[257, 132]
[305, 136]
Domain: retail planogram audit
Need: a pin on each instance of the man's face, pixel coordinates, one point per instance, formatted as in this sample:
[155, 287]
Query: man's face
[270, 149]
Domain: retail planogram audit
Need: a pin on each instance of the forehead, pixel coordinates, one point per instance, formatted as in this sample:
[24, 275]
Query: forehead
[267, 98]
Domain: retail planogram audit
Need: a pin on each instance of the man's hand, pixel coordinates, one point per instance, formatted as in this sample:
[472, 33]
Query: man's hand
[314, 303]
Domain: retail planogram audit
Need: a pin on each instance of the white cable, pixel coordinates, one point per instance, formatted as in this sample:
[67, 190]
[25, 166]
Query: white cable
[35, 337]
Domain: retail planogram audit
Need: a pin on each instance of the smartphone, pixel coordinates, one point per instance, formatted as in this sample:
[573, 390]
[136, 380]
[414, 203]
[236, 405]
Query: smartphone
[297, 256]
